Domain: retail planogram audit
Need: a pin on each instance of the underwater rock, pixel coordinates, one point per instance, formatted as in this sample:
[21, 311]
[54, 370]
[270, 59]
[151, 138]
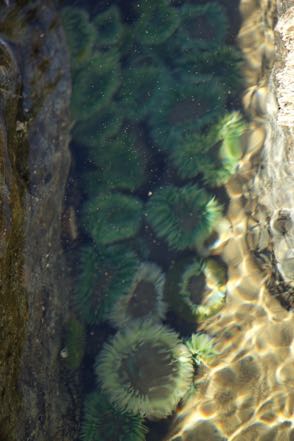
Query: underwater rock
[34, 285]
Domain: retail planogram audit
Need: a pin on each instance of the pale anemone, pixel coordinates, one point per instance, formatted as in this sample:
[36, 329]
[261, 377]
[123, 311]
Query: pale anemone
[201, 347]
[144, 299]
[203, 288]
[145, 370]
[109, 27]
[102, 421]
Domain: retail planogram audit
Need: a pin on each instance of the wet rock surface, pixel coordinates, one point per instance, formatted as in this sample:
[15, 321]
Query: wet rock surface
[37, 403]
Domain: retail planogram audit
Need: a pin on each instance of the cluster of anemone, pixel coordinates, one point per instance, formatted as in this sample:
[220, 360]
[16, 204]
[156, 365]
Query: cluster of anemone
[109, 27]
[102, 421]
[182, 216]
[112, 217]
[157, 21]
[75, 340]
[145, 370]
[95, 84]
[105, 274]
[183, 108]
[144, 300]
[203, 288]
[80, 33]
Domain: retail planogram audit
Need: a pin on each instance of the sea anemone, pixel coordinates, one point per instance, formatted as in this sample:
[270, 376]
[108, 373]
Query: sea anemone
[201, 347]
[156, 23]
[104, 275]
[109, 27]
[145, 370]
[111, 217]
[144, 298]
[202, 290]
[204, 26]
[138, 87]
[182, 216]
[223, 63]
[183, 108]
[101, 126]
[188, 157]
[103, 421]
[95, 84]
[75, 340]
[80, 33]
[120, 162]
[226, 149]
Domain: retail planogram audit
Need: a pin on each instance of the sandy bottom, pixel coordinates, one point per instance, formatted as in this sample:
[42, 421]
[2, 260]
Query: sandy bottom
[247, 392]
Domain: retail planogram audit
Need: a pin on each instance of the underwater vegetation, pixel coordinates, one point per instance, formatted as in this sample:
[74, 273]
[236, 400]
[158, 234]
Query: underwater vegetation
[80, 33]
[201, 347]
[105, 274]
[144, 299]
[145, 369]
[102, 421]
[111, 217]
[182, 215]
[75, 341]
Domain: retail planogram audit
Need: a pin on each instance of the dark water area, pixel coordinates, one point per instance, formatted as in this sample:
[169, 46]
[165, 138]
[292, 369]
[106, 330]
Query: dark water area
[150, 158]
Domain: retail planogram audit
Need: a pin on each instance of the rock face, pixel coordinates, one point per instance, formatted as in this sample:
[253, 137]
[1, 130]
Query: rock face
[34, 163]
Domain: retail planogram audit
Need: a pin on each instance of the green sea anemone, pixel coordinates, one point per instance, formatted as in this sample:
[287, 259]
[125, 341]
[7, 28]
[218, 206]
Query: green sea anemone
[145, 370]
[182, 216]
[184, 108]
[138, 87]
[156, 23]
[188, 157]
[95, 84]
[80, 33]
[226, 149]
[202, 287]
[203, 26]
[102, 421]
[144, 298]
[101, 126]
[223, 63]
[121, 163]
[201, 347]
[75, 340]
[104, 275]
[109, 27]
[111, 217]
